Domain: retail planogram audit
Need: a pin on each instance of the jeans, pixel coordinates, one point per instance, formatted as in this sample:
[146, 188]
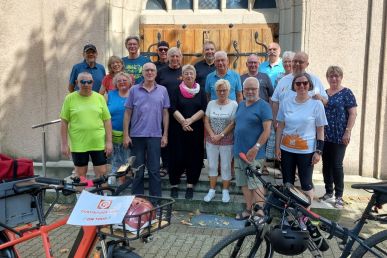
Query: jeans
[333, 172]
[147, 152]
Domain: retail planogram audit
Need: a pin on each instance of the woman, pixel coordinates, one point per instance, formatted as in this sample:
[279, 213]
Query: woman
[86, 130]
[115, 102]
[300, 134]
[115, 65]
[341, 115]
[219, 124]
[186, 149]
[170, 77]
[287, 59]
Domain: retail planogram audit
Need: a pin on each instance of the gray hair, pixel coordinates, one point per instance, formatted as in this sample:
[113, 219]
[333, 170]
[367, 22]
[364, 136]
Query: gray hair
[132, 37]
[188, 67]
[255, 80]
[220, 53]
[174, 50]
[128, 76]
[288, 55]
[222, 82]
[83, 74]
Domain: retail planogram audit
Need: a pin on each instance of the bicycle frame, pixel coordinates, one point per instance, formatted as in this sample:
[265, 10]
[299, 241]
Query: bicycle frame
[82, 246]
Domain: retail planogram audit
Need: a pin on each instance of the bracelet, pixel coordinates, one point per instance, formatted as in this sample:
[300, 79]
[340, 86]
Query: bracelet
[320, 145]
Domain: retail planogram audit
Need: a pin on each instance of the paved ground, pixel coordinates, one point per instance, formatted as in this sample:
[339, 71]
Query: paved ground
[182, 240]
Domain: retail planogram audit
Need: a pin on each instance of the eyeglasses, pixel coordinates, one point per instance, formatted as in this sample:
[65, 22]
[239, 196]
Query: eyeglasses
[163, 49]
[150, 70]
[298, 61]
[122, 80]
[250, 89]
[302, 83]
[88, 82]
[221, 91]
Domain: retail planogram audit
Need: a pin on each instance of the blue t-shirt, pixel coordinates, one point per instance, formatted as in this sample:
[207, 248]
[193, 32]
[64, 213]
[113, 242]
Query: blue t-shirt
[116, 105]
[231, 76]
[273, 72]
[134, 66]
[249, 126]
[337, 114]
[97, 72]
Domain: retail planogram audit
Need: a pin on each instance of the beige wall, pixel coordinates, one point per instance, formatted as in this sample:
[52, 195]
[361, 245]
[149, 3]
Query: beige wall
[41, 40]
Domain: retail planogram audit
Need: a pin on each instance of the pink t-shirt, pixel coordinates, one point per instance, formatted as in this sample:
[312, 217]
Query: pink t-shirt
[107, 82]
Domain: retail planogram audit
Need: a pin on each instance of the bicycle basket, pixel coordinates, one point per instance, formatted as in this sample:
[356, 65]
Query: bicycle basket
[144, 221]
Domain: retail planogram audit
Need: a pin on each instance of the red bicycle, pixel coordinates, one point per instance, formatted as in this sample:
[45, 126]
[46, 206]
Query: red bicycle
[21, 202]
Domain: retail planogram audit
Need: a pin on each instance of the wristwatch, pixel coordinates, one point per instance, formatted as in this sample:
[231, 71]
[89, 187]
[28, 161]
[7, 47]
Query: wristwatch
[258, 145]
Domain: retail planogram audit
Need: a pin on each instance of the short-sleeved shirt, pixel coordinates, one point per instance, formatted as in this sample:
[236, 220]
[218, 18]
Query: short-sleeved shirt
[85, 117]
[107, 82]
[272, 71]
[265, 87]
[234, 79]
[301, 120]
[337, 114]
[249, 126]
[284, 88]
[116, 108]
[202, 70]
[220, 117]
[97, 72]
[147, 110]
[134, 66]
[160, 65]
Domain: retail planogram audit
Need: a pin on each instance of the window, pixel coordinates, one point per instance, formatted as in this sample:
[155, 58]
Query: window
[156, 5]
[262, 4]
[209, 4]
[237, 4]
[182, 4]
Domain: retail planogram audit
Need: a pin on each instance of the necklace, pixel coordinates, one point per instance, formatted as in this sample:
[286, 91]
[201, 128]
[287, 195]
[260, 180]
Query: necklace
[220, 105]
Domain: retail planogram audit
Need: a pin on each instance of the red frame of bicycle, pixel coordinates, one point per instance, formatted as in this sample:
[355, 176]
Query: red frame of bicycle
[83, 249]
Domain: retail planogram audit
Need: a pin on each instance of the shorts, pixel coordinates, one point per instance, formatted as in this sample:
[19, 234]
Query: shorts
[81, 159]
[241, 178]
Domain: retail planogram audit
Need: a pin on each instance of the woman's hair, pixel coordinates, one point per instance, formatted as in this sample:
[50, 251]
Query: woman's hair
[188, 67]
[222, 82]
[288, 55]
[334, 69]
[311, 86]
[128, 76]
[174, 50]
[111, 60]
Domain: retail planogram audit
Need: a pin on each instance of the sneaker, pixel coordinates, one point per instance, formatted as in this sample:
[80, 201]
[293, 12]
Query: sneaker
[189, 193]
[210, 195]
[225, 196]
[339, 203]
[174, 192]
[326, 197]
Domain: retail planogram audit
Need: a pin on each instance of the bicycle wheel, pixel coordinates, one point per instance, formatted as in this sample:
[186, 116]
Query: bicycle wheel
[7, 252]
[377, 243]
[242, 243]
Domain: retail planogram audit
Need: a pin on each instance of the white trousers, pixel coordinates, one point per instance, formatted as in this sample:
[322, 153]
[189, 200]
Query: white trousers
[225, 152]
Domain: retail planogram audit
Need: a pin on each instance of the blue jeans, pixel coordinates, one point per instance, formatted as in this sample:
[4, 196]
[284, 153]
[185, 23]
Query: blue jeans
[147, 152]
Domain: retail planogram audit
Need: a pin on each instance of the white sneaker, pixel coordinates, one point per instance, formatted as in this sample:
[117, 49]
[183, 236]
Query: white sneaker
[210, 195]
[225, 196]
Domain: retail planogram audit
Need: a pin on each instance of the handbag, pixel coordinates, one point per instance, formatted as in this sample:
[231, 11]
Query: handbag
[15, 168]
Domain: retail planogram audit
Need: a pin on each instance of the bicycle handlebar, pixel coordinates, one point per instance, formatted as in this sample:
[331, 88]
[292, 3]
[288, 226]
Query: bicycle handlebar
[50, 181]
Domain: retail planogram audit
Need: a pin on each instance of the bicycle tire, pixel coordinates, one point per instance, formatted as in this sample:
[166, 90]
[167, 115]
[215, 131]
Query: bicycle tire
[377, 242]
[8, 252]
[245, 238]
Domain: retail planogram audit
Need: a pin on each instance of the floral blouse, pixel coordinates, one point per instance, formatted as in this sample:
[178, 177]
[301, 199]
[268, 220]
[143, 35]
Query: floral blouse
[337, 114]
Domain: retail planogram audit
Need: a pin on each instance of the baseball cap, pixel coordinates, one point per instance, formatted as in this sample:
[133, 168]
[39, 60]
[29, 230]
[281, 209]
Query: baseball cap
[88, 47]
[163, 44]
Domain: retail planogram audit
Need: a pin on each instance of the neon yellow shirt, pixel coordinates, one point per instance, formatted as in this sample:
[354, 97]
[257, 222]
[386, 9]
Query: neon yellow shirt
[85, 117]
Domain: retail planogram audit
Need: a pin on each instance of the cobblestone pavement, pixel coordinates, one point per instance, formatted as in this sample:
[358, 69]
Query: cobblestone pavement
[180, 240]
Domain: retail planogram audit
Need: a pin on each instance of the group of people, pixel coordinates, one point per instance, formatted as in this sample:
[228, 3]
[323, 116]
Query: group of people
[172, 111]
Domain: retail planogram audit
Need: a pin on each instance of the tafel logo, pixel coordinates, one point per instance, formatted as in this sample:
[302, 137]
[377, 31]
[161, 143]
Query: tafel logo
[104, 204]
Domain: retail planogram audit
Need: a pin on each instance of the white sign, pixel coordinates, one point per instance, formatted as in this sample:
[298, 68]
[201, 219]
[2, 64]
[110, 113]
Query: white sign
[93, 210]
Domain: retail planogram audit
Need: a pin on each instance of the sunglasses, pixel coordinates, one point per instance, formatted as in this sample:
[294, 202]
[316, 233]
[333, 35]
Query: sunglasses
[302, 83]
[163, 49]
[88, 82]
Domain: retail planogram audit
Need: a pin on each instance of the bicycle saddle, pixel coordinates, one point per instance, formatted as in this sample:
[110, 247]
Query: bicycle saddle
[377, 187]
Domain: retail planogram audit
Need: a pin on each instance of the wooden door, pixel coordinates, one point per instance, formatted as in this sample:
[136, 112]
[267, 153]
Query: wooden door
[191, 38]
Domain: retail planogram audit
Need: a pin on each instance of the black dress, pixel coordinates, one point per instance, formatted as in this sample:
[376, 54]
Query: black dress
[186, 149]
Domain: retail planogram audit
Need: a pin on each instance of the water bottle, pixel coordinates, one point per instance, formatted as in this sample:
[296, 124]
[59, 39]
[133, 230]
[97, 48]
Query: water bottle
[316, 236]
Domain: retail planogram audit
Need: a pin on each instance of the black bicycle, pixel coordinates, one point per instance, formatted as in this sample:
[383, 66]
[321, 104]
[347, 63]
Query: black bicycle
[295, 232]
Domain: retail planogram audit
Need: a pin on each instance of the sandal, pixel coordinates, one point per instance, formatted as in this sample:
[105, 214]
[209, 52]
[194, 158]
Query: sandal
[163, 172]
[243, 215]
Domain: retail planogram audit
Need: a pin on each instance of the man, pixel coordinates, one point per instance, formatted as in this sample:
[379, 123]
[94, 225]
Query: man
[265, 87]
[252, 129]
[85, 119]
[89, 65]
[162, 49]
[134, 61]
[146, 109]
[205, 66]
[283, 90]
[273, 67]
[223, 72]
